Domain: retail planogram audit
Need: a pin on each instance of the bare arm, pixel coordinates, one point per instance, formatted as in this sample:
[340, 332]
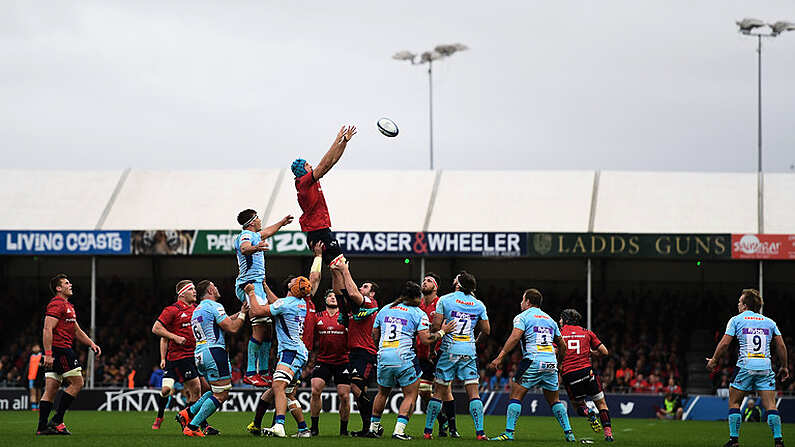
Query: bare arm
[562, 348]
[334, 153]
[513, 339]
[235, 322]
[163, 351]
[271, 230]
[781, 354]
[427, 337]
[49, 325]
[600, 351]
[721, 349]
[317, 265]
[86, 340]
[246, 248]
[269, 295]
[484, 329]
[350, 286]
[376, 334]
[161, 331]
[436, 324]
[258, 310]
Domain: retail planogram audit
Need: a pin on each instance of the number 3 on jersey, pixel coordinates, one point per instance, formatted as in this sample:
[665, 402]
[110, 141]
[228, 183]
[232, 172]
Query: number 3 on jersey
[391, 333]
[544, 341]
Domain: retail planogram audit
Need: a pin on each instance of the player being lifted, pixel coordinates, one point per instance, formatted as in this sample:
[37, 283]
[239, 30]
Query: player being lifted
[250, 246]
[209, 322]
[427, 355]
[362, 361]
[754, 333]
[577, 371]
[315, 220]
[539, 367]
[60, 360]
[457, 357]
[394, 331]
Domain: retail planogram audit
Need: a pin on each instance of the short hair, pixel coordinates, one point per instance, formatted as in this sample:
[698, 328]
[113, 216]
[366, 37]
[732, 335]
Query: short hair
[467, 282]
[752, 300]
[373, 286]
[410, 289]
[433, 275]
[56, 281]
[327, 293]
[245, 215]
[534, 296]
[570, 316]
[182, 284]
[201, 288]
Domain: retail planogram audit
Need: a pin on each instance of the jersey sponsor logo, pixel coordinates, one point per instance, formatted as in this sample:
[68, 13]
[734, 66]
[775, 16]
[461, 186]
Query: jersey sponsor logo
[183, 315]
[754, 318]
[466, 303]
[543, 317]
[319, 323]
[400, 308]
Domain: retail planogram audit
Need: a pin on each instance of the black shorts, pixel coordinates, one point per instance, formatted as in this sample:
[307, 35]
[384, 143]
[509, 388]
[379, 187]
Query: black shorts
[327, 238]
[181, 370]
[428, 368]
[582, 383]
[64, 360]
[328, 371]
[361, 364]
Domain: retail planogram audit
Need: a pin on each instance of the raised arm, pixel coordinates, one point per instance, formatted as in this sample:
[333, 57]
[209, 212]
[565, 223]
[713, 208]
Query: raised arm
[271, 230]
[350, 286]
[513, 339]
[317, 267]
[335, 152]
[721, 349]
[235, 322]
[269, 295]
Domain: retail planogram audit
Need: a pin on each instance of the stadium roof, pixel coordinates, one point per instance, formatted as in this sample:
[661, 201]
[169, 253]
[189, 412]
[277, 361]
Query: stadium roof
[564, 201]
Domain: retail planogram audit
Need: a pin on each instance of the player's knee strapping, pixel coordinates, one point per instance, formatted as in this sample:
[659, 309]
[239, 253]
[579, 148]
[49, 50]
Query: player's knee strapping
[166, 386]
[281, 375]
[221, 388]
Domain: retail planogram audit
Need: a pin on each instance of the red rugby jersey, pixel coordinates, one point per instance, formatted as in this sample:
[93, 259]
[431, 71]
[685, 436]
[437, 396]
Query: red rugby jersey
[313, 204]
[424, 350]
[63, 334]
[360, 333]
[331, 339]
[579, 342]
[176, 319]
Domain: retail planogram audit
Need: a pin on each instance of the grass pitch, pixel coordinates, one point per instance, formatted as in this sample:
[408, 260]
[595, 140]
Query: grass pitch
[108, 429]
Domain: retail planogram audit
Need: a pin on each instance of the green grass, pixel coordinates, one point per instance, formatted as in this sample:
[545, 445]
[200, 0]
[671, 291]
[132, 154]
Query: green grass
[107, 429]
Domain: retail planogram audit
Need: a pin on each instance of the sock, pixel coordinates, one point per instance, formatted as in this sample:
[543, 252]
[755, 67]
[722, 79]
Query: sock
[735, 419]
[263, 358]
[343, 426]
[365, 409]
[262, 407]
[208, 407]
[34, 406]
[449, 411]
[513, 412]
[400, 425]
[442, 418]
[433, 410]
[63, 405]
[315, 422]
[162, 401]
[604, 416]
[253, 353]
[559, 410]
[278, 419]
[375, 422]
[44, 413]
[169, 401]
[476, 410]
[302, 426]
[774, 421]
[197, 406]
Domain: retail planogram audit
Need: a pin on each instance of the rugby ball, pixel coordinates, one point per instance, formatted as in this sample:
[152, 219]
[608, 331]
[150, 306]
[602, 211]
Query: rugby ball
[387, 127]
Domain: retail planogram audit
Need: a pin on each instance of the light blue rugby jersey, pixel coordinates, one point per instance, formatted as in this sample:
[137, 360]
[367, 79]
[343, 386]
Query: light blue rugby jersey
[205, 324]
[399, 325]
[540, 331]
[251, 267]
[466, 310]
[289, 315]
[754, 332]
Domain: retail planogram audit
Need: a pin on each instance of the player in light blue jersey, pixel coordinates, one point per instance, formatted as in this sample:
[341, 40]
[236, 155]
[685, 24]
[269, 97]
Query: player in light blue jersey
[394, 331]
[539, 335]
[209, 322]
[457, 358]
[754, 333]
[250, 247]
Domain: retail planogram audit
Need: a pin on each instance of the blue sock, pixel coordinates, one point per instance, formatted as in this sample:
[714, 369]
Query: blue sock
[168, 402]
[559, 410]
[375, 419]
[302, 426]
[208, 407]
[197, 406]
[774, 421]
[253, 353]
[431, 413]
[513, 412]
[402, 419]
[279, 419]
[476, 410]
[735, 419]
[263, 357]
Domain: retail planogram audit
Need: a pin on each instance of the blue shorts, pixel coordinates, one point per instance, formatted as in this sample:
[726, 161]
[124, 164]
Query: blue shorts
[452, 366]
[401, 375]
[293, 359]
[258, 290]
[751, 380]
[213, 363]
[531, 374]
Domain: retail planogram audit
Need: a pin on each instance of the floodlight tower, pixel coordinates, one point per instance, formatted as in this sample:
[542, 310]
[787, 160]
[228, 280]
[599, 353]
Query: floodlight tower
[427, 57]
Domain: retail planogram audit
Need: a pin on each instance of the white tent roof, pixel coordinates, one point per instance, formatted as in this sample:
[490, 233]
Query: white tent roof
[566, 201]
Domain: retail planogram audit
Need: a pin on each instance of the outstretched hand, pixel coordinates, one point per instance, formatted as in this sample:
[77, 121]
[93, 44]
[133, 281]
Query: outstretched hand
[346, 133]
[448, 326]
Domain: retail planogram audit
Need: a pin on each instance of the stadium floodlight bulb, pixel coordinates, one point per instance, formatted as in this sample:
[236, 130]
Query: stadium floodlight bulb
[404, 56]
[748, 24]
[781, 26]
[430, 56]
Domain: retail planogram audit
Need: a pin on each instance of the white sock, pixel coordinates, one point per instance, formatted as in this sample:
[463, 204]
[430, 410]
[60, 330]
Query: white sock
[399, 427]
[374, 426]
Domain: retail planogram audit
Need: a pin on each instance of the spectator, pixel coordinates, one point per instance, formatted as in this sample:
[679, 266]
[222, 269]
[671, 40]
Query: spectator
[156, 378]
[672, 408]
[673, 388]
[498, 382]
[639, 384]
[752, 413]
[655, 385]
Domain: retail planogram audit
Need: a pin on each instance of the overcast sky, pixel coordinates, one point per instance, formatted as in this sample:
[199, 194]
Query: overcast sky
[630, 85]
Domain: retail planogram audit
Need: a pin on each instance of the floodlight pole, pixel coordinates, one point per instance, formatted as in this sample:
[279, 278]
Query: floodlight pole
[91, 355]
[430, 107]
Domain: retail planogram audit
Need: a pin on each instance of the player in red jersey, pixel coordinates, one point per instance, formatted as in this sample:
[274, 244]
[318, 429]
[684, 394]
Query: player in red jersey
[578, 376]
[361, 359]
[177, 343]
[331, 362]
[60, 360]
[315, 220]
[427, 354]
